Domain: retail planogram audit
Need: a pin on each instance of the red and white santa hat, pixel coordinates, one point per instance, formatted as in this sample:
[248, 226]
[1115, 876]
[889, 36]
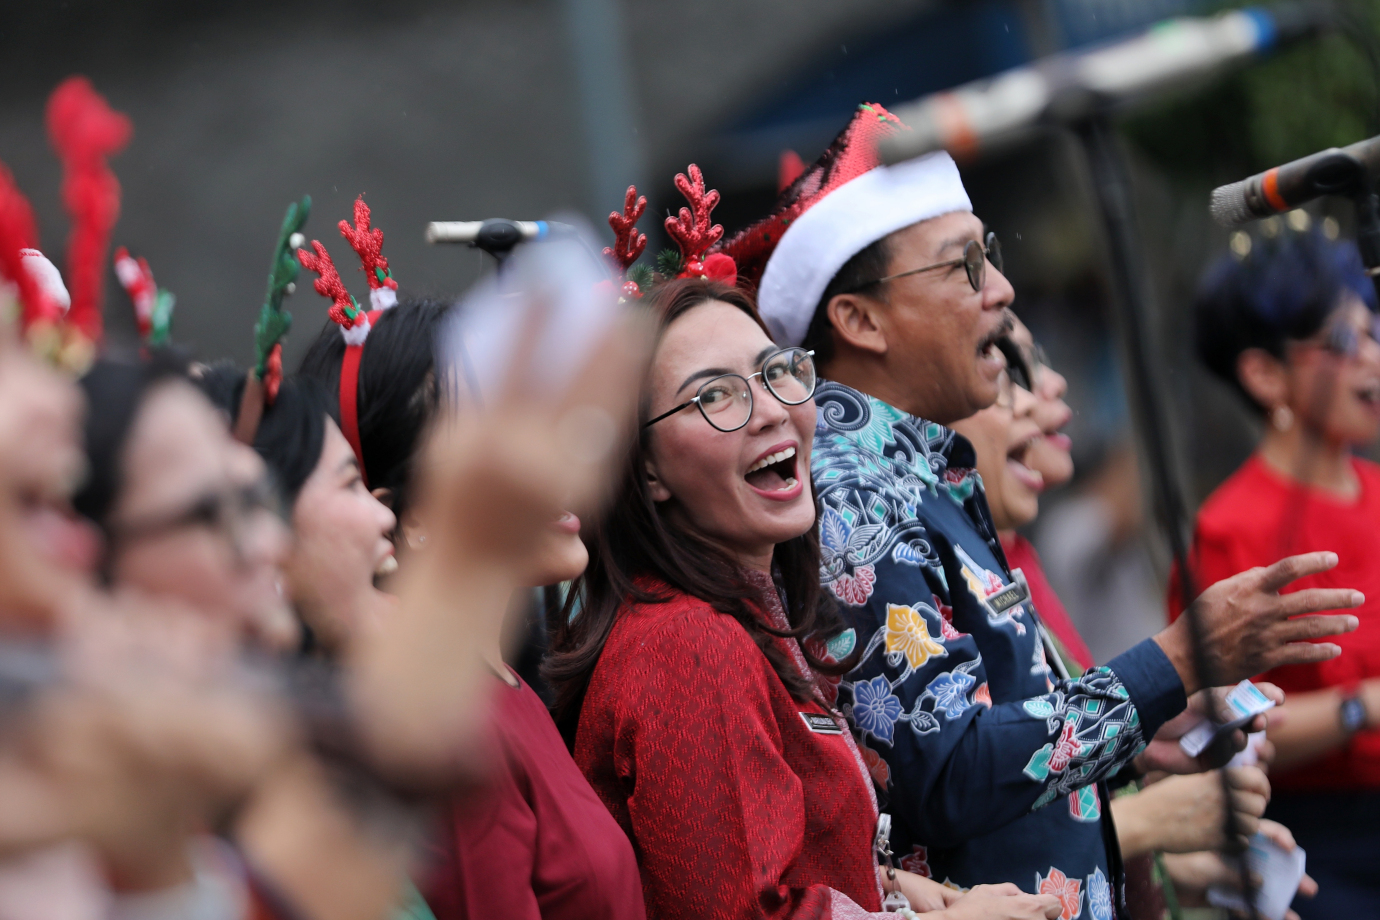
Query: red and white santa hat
[838, 207]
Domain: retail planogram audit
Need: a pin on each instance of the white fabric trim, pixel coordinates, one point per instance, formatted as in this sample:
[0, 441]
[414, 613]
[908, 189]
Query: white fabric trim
[382, 298]
[844, 223]
[356, 335]
[46, 275]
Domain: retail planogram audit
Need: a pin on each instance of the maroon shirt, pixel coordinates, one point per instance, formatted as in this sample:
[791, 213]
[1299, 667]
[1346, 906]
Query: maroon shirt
[537, 844]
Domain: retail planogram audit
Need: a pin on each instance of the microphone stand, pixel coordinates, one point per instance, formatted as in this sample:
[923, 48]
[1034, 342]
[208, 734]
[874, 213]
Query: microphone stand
[1131, 283]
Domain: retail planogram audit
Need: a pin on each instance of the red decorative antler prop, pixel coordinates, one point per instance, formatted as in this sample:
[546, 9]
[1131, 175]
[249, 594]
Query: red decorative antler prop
[368, 245]
[627, 242]
[692, 231]
[85, 131]
[136, 278]
[18, 232]
[354, 322]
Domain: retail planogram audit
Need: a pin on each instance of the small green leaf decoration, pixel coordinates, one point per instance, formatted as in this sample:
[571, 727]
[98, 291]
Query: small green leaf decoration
[160, 323]
[668, 262]
[274, 322]
[641, 275]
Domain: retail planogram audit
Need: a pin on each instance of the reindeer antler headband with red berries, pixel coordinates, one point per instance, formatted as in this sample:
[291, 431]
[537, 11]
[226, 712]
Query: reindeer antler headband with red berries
[354, 322]
[692, 231]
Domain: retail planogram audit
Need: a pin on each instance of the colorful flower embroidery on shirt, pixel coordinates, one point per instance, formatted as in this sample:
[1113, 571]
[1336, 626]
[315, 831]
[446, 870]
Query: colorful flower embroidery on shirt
[1099, 896]
[946, 620]
[908, 634]
[876, 708]
[983, 695]
[917, 861]
[1067, 890]
[876, 766]
[950, 691]
[854, 589]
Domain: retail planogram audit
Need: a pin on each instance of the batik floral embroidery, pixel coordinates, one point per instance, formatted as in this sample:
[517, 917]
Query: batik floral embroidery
[917, 861]
[1067, 890]
[1099, 896]
[855, 589]
[879, 768]
[876, 708]
[908, 634]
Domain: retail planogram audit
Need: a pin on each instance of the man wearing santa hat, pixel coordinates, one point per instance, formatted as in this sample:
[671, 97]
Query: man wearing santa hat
[993, 763]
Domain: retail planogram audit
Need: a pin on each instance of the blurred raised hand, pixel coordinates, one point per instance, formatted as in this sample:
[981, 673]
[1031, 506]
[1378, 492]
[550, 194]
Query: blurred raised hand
[493, 477]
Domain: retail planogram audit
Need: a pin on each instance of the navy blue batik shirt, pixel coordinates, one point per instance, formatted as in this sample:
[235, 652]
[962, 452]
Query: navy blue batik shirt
[987, 762]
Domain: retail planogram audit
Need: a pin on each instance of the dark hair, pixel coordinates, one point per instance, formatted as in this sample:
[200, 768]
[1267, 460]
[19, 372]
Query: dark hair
[859, 273]
[1283, 290]
[115, 389]
[397, 389]
[292, 432]
[637, 538]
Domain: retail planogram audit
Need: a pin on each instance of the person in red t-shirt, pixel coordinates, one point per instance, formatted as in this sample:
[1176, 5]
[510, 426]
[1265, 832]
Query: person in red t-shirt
[1292, 328]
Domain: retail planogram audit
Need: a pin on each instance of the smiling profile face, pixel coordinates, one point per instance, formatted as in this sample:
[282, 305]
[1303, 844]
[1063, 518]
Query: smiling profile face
[340, 542]
[1003, 436]
[747, 489]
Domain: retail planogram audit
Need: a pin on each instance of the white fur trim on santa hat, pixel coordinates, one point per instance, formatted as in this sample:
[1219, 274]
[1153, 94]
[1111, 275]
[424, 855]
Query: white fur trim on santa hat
[356, 335]
[382, 298]
[844, 223]
[47, 276]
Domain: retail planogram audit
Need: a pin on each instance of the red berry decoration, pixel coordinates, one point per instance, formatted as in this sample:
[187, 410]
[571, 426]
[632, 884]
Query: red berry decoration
[721, 267]
[631, 290]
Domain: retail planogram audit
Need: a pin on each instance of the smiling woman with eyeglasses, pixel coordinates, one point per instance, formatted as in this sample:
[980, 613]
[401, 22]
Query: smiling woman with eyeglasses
[696, 663]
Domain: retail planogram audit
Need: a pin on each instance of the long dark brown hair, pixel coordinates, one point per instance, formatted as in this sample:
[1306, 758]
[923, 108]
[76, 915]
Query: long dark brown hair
[637, 538]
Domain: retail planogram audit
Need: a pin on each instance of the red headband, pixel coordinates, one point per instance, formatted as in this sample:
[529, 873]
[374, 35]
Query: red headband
[354, 322]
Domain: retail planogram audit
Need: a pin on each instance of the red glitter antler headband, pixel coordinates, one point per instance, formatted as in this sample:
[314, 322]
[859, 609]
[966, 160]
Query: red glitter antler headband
[368, 245]
[354, 323]
[692, 230]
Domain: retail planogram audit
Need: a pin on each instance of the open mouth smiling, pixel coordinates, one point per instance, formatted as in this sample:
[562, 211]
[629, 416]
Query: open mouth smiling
[774, 472]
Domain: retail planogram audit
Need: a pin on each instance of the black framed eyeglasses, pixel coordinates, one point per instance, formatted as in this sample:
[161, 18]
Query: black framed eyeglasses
[1343, 339]
[975, 258]
[226, 511]
[726, 401]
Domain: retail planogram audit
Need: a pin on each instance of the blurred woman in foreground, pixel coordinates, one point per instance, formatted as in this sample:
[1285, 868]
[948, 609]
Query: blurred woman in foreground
[1291, 328]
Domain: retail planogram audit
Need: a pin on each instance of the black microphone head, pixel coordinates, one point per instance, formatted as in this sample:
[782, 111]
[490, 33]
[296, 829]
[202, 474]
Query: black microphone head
[1229, 207]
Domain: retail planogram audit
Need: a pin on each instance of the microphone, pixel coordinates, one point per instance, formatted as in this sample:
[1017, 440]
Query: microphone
[1067, 87]
[1335, 171]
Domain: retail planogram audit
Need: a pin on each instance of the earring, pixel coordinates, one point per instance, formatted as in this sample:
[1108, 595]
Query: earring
[1282, 417]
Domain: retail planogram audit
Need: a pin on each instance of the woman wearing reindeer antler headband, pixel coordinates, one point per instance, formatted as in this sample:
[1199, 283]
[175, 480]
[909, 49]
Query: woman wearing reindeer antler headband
[696, 662]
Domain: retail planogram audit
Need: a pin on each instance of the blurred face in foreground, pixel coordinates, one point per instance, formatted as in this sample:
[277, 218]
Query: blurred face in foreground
[340, 543]
[1003, 435]
[192, 520]
[1051, 454]
[42, 544]
[747, 489]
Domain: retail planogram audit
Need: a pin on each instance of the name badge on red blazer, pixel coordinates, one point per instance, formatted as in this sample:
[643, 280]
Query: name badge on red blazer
[821, 724]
